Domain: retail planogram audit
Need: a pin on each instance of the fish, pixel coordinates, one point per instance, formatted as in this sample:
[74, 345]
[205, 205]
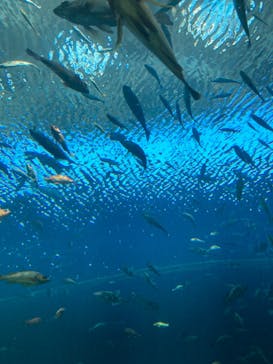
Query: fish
[153, 269]
[196, 135]
[131, 332]
[230, 130]
[197, 240]
[161, 324]
[109, 161]
[153, 73]
[264, 143]
[99, 127]
[251, 126]
[26, 278]
[167, 105]
[4, 213]
[189, 217]
[247, 80]
[116, 122]
[59, 179]
[224, 80]
[25, 16]
[149, 280]
[88, 13]
[30, 2]
[49, 145]
[138, 18]
[110, 297]
[45, 160]
[32, 174]
[69, 78]
[223, 95]
[240, 8]
[261, 122]
[18, 63]
[260, 19]
[178, 287]
[213, 248]
[239, 187]
[58, 136]
[187, 100]
[243, 155]
[236, 291]
[4, 168]
[59, 313]
[33, 321]
[132, 147]
[152, 221]
[178, 113]
[135, 106]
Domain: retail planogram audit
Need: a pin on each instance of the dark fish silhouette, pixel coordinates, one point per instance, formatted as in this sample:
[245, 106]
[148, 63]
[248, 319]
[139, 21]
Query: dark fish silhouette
[229, 130]
[4, 168]
[196, 135]
[264, 144]
[251, 126]
[224, 80]
[142, 23]
[45, 160]
[152, 221]
[49, 145]
[153, 72]
[178, 113]
[58, 136]
[153, 269]
[132, 147]
[247, 80]
[243, 155]
[166, 104]
[109, 161]
[223, 95]
[241, 12]
[116, 122]
[261, 122]
[135, 106]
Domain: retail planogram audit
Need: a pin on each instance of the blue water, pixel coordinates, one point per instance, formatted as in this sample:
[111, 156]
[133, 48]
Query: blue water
[85, 235]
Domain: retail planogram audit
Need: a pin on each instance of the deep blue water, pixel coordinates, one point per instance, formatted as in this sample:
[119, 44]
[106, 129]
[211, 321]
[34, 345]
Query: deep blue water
[84, 236]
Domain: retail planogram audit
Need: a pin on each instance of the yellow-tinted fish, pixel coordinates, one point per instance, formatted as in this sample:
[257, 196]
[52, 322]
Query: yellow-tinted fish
[3, 213]
[59, 179]
[26, 278]
[161, 324]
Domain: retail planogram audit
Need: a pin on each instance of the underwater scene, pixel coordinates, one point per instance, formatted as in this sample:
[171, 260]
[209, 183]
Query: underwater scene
[136, 210]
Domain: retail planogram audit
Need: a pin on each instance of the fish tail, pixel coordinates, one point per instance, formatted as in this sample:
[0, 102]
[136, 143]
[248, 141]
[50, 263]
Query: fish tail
[148, 133]
[33, 54]
[195, 94]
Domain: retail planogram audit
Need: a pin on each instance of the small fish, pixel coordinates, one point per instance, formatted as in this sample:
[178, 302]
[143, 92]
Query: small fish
[18, 63]
[59, 179]
[32, 174]
[197, 240]
[69, 78]
[261, 122]
[161, 324]
[241, 12]
[153, 72]
[264, 144]
[178, 287]
[223, 95]
[189, 217]
[196, 135]
[243, 155]
[149, 280]
[33, 321]
[224, 80]
[251, 126]
[247, 80]
[214, 233]
[110, 297]
[213, 248]
[59, 313]
[23, 13]
[49, 145]
[153, 269]
[230, 130]
[26, 278]
[135, 106]
[4, 213]
[69, 280]
[178, 113]
[131, 332]
[58, 136]
[97, 325]
[98, 126]
[239, 187]
[132, 147]
[32, 3]
[167, 105]
[109, 161]
[116, 122]
[152, 221]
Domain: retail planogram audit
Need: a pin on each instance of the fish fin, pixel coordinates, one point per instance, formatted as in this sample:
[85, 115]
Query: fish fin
[33, 54]
[195, 95]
